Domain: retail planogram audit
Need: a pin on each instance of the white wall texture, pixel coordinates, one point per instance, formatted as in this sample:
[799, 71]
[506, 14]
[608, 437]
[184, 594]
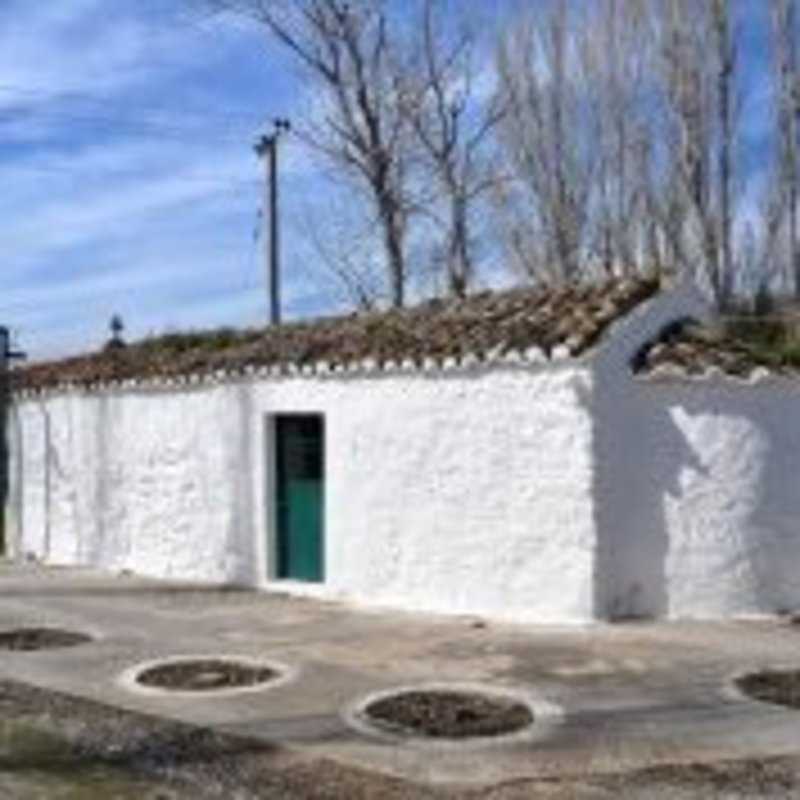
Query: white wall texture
[466, 491]
[560, 492]
[629, 484]
[728, 459]
[696, 497]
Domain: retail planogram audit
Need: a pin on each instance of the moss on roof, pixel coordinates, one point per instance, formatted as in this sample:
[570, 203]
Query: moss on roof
[733, 346]
[484, 324]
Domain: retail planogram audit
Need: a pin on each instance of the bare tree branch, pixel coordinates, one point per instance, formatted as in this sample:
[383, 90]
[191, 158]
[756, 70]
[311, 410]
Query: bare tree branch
[345, 47]
[452, 125]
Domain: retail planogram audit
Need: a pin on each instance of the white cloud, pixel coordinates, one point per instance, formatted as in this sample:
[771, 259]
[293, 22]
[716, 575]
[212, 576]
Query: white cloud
[35, 58]
[129, 179]
[100, 215]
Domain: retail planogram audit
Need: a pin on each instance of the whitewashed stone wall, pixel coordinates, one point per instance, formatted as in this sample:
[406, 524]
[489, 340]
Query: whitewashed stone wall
[696, 484]
[129, 481]
[558, 492]
[728, 457]
[630, 481]
[460, 490]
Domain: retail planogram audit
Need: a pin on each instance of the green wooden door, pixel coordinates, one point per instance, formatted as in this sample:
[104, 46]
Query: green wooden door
[300, 484]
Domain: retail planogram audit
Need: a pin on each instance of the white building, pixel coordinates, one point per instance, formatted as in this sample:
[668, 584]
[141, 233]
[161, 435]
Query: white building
[497, 456]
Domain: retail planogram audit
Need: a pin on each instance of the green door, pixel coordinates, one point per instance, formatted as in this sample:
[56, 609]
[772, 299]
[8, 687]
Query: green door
[300, 459]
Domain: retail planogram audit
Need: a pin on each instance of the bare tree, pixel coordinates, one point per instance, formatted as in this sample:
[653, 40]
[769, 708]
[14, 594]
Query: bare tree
[784, 38]
[726, 67]
[616, 123]
[347, 49]
[699, 73]
[453, 125]
[616, 59]
[343, 245]
[623, 127]
[689, 104]
[580, 136]
[548, 143]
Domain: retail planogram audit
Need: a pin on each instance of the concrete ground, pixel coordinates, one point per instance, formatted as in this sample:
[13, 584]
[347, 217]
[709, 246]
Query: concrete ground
[630, 696]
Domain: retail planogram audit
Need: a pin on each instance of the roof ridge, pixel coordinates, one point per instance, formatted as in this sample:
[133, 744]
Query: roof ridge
[519, 319]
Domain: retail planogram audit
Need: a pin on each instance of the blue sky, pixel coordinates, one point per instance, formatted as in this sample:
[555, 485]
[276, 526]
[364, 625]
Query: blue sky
[130, 184]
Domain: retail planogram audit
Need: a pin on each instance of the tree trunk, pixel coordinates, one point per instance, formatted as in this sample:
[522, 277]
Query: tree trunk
[393, 235]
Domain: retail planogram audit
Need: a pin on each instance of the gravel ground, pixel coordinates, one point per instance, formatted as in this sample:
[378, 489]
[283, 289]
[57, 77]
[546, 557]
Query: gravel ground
[199, 675]
[74, 748]
[449, 714]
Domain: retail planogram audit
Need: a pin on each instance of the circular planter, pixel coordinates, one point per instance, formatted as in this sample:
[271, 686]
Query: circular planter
[779, 687]
[452, 715]
[204, 676]
[448, 714]
[31, 639]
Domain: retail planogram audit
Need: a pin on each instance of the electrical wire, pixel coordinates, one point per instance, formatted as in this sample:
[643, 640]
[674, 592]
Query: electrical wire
[250, 279]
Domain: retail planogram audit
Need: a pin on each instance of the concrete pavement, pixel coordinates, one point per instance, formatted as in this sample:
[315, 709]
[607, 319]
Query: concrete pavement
[630, 695]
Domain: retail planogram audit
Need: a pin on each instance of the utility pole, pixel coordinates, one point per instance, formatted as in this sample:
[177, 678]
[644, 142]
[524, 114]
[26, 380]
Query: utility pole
[267, 149]
[6, 356]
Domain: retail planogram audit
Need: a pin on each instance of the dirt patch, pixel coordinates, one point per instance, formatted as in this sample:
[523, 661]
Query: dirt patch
[449, 714]
[778, 687]
[28, 639]
[205, 675]
[176, 761]
[185, 762]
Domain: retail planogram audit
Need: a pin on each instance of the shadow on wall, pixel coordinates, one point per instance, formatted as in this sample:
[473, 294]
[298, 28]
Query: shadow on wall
[778, 510]
[242, 569]
[697, 508]
[639, 455]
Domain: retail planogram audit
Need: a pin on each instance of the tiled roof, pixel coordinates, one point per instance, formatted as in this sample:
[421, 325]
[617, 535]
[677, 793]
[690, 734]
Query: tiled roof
[485, 326]
[691, 349]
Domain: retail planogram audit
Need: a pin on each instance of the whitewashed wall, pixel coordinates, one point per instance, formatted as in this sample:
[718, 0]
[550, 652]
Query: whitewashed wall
[629, 454]
[696, 485]
[552, 493]
[728, 458]
[136, 481]
[459, 491]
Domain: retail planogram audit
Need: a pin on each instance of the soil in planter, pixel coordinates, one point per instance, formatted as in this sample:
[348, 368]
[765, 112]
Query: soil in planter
[205, 675]
[26, 639]
[778, 687]
[449, 714]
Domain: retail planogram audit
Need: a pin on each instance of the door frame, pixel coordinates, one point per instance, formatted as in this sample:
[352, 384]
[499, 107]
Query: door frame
[270, 553]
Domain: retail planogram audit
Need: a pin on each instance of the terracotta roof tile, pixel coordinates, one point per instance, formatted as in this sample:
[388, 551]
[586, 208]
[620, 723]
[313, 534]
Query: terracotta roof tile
[692, 349]
[489, 322]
